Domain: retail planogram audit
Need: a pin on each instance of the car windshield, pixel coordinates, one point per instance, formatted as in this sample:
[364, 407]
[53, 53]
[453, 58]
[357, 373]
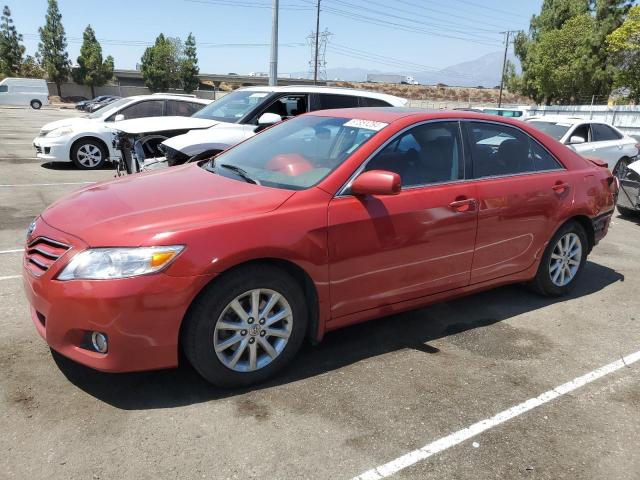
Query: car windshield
[296, 154]
[109, 109]
[553, 129]
[232, 107]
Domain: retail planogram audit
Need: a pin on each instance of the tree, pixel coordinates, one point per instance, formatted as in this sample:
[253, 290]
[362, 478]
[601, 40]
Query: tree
[92, 70]
[189, 66]
[160, 64]
[52, 49]
[558, 19]
[30, 68]
[11, 50]
[624, 46]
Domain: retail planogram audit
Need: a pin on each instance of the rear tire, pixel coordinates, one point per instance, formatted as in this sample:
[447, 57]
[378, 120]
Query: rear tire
[36, 104]
[226, 344]
[88, 154]
[562, 261]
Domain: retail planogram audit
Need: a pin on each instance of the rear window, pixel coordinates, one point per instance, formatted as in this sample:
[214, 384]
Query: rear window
[602, 133]
[373, 102]
[328, 101]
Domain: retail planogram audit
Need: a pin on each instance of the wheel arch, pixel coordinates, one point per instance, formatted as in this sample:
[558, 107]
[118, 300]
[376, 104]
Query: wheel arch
[90, 137]
[298, 273]
[587, 224]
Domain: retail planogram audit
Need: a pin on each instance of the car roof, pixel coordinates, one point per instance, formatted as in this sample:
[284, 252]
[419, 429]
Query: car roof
[331, 90]
[561, 119]
[392, 114]
[168, 96]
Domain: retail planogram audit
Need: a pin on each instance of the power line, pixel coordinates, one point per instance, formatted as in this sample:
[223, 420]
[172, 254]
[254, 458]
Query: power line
[455, 14]
[484, 7]
[421, 23]
[246, 4]
[403, 27]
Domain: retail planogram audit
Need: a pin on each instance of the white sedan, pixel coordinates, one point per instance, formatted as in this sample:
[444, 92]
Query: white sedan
[591, 139]
[88, 141]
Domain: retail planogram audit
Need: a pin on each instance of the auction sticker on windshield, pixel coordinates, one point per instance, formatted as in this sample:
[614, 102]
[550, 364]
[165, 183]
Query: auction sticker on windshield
[366, 124]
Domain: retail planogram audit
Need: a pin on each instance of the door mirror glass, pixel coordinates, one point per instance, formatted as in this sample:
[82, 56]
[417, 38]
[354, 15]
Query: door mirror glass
[377, 182]
[269, 119]
[576, 139]
[118, 117]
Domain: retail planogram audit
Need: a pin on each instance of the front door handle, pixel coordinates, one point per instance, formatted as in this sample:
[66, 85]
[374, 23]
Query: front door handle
[464, 204]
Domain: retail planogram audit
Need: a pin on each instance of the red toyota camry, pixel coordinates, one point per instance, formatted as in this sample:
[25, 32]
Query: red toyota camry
[323, 221]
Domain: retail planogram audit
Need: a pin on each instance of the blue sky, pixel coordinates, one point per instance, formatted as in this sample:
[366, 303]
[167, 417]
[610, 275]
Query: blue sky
[391, 35]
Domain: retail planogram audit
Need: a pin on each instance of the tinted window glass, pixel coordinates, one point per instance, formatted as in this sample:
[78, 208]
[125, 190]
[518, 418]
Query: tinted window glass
[148, 108]
[429, 153]
[501, 150]
[182, 109]
[233, 106]
[289, 106]
[4, 88]
[373, 102]
[603, 133]
[328, 101]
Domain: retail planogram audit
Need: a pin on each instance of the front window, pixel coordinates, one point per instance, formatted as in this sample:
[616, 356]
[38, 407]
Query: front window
[233, 106]
[556, 130]
[110, 109]
[296, 154]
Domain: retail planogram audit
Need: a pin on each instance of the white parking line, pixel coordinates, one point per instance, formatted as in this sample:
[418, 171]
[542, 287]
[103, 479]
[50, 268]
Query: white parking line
[44, 184]
[415, 456]
[10, 277]
[12, 251]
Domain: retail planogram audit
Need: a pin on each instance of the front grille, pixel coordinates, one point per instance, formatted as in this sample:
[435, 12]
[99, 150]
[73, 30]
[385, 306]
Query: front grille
[42, 253]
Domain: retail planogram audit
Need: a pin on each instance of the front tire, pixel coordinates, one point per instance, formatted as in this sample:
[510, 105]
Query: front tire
[36, 104]
[246, 326]
[563, 261]
[88, 154]
[627, 212]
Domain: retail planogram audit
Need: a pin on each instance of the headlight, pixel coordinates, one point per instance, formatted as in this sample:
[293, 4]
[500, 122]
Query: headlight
[60, 131]
[107, 263]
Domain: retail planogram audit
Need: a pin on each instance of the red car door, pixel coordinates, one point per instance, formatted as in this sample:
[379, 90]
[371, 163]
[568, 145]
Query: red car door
[387, 249]
[520, 188]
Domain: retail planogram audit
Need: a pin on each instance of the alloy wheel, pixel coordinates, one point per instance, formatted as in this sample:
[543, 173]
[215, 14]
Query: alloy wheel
[565, 259]
[253, 330]
[89, 155]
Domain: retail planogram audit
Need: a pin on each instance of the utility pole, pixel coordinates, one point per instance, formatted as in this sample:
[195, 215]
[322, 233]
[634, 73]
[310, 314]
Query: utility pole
[504, 65]
[273, 65]
[315, 69]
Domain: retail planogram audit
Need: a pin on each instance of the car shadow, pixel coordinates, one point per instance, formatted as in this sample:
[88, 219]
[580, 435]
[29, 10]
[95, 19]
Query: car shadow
[60, 166]
[414, 329]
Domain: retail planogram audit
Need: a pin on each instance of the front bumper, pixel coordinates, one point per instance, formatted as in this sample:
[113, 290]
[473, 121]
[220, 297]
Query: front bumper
[52, 149]
[141, 316]
[629, 196]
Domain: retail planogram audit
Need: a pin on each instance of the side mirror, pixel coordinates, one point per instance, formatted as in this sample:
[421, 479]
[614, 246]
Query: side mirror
[269, 119]
[575, 139]
[119, 117]
[377, 182]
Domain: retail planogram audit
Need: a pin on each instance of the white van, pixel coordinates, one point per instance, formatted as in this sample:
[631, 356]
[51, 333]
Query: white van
[24, 91]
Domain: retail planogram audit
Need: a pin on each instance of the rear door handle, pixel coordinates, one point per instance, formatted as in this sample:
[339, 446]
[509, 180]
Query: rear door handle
[464, 205]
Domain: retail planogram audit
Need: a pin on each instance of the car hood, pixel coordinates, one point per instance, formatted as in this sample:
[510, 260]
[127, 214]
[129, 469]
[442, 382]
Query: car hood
[67, 122]
[160, 124]
[154, 208]
[218, 137]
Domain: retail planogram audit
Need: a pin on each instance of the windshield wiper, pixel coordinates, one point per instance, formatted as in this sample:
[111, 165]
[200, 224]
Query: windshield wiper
[240, 172]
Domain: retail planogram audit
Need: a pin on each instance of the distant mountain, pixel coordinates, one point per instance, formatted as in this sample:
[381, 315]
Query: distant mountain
[484, 71]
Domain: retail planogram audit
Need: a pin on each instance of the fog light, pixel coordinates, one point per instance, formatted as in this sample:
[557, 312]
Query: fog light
[99, 342]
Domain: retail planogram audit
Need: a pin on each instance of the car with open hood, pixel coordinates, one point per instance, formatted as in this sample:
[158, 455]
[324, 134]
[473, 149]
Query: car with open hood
[240, 115]
[88, 141]
[332, 218]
